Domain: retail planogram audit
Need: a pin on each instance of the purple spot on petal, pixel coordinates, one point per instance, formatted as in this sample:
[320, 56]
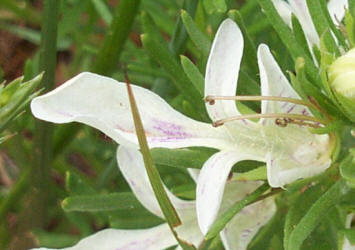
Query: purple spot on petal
[284, 105]
[291, 108]
[245, 122]
[305, 112]
[169, 131]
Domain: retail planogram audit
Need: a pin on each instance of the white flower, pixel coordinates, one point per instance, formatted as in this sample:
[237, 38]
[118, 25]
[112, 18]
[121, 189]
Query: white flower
[290, 152]
[236, 236]
[299, 8]
[347, 244]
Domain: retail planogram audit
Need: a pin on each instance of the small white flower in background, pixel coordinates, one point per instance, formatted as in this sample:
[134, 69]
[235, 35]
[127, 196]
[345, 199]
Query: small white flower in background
[347, 245]
[290, 152]
[236, 236]
[299, 8]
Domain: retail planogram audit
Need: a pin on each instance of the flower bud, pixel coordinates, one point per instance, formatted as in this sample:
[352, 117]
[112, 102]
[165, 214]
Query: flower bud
[341, 76]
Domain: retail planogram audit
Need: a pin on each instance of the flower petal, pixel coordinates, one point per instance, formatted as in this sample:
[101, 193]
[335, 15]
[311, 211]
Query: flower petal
[103, 103]
[282, 171]
[347, 244]
[158, 237]
[274, 83]
[244, 226]
[211, 183]
[131, 164]
[132, 167]
[223, 68]
[300, 9]
[336, 9]
[284, 10]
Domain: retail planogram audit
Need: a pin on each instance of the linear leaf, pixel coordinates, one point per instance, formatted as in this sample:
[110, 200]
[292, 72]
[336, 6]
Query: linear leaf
[193, 74]
[108, 56]
[101, 202]
[200, 40]
[165, 204]
[317, 211]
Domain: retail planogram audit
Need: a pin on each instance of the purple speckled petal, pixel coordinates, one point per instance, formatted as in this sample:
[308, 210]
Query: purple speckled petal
[244, 226]
[274, 83]
[102, 102]
[131, 164]
[337, 9]
[211, 183]
[223, 68]
[158, 237]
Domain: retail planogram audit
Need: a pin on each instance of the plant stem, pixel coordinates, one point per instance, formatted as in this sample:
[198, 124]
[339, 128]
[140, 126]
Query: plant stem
[107, 60]
[43, 131]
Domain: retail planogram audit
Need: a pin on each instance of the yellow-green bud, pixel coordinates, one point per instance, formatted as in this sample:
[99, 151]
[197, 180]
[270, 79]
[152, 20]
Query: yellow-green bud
[341, 76]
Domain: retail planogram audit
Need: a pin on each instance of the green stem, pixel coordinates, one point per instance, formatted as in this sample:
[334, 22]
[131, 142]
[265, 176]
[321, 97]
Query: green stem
[43, 131]
[107, 60]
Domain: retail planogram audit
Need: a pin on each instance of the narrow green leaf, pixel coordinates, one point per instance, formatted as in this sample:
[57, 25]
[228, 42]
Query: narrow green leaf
[252, 175]
[100, 202]
[193, 74]
[133, 218]
[15, 97]
[296, 212]
[317, 211]
[107, 59]
[153, 174]
[322, 26]
[222, 221]
[149, 27]
[349, 26]
[183, 158]
[55, 240]
[200, 40]
[178, 41]
[103, 11]
[165, 204]
[161, 54]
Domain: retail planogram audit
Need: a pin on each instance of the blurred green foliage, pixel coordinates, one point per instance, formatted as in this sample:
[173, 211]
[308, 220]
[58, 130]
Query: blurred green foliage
[164, 46]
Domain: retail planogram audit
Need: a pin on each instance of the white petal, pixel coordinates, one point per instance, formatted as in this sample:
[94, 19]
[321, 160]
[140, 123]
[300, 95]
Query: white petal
[336, 9]
[194, 173]
[347, 244]
[244, 226]
[274, 83]
[189, 230]
[300, 9]
[299, 155]
[223, 68]
[103, 103]
[131, 164]
[284, 10]
[211, 183]
[158, 237]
